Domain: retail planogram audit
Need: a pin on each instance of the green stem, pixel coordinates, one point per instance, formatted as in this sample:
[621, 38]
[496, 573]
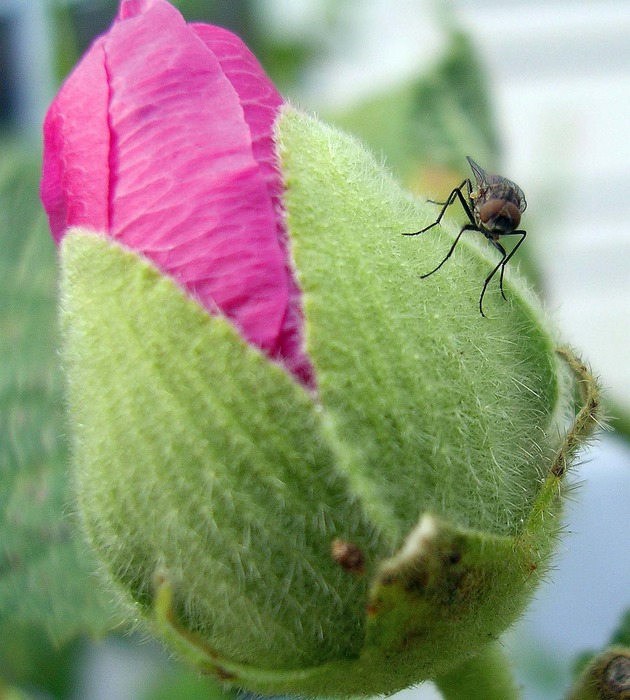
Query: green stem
[487, 676]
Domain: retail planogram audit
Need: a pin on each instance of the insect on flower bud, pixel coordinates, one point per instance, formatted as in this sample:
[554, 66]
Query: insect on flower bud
[494, 209]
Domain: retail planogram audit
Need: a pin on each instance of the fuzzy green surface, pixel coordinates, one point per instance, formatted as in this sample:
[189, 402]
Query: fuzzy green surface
[432, 607]
[484, 677]
[607, 677]
[433, 406]
[198, 458]
[195, 453]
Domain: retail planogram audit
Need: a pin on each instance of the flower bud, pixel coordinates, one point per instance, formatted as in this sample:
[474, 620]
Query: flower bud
[161, 140]
[312, 470]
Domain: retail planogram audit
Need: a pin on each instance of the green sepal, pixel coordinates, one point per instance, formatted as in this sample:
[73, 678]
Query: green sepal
[194, 452]
[454, 587]
[438, 409]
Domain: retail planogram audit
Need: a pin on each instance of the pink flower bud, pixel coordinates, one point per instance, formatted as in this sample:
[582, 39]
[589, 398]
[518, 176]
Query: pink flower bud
[162, 139]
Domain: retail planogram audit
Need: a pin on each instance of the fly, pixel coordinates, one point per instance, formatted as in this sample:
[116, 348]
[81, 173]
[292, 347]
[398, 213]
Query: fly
[493, 207]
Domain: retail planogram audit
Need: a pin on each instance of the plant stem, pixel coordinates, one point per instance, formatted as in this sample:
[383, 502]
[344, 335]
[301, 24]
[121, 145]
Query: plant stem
[487, 676]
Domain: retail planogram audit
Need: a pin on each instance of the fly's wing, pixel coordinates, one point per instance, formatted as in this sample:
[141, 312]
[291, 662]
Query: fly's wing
[516, 193]
[485, 180]
[522, 204]
[480, 174]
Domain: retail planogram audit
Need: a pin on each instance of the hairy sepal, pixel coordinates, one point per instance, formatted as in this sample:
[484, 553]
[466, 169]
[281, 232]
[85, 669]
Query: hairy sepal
[196, 453]
[438, 409]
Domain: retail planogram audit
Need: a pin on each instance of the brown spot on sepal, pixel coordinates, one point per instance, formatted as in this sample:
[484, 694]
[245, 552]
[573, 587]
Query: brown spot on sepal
[349, 556]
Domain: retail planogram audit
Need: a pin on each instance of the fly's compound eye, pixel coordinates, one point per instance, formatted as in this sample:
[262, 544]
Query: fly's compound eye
[499, 215]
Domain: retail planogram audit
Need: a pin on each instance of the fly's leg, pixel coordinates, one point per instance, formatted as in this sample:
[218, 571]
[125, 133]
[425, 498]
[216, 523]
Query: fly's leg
[522, 234]
[467, 227]
[455, 194]
[501, 249]
[505, 258]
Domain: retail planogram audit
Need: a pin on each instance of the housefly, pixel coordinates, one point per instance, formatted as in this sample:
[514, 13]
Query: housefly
[493, 207]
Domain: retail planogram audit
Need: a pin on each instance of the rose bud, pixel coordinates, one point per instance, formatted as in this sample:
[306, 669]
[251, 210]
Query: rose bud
[311, 470]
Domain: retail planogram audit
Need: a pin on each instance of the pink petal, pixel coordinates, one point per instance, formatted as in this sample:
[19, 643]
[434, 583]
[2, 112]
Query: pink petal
[187, 190]
[260, 102]
[75, 178]
[257, 94]
[162, 138]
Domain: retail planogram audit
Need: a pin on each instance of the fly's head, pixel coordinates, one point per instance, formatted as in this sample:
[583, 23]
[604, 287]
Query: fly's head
[497, 203]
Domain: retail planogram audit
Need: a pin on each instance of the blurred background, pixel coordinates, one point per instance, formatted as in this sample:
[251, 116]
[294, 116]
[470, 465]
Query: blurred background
[537, 90]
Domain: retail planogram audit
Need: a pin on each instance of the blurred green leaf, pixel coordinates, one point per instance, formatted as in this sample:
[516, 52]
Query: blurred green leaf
[11, 693]
[46, 575]
[65, 46]
[621, 636]
[284, 61]
[540, 667]
[619, 416]
[183, 684]
[29, 660]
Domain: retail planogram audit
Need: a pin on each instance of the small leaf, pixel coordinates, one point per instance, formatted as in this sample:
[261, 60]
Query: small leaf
[183, 684]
